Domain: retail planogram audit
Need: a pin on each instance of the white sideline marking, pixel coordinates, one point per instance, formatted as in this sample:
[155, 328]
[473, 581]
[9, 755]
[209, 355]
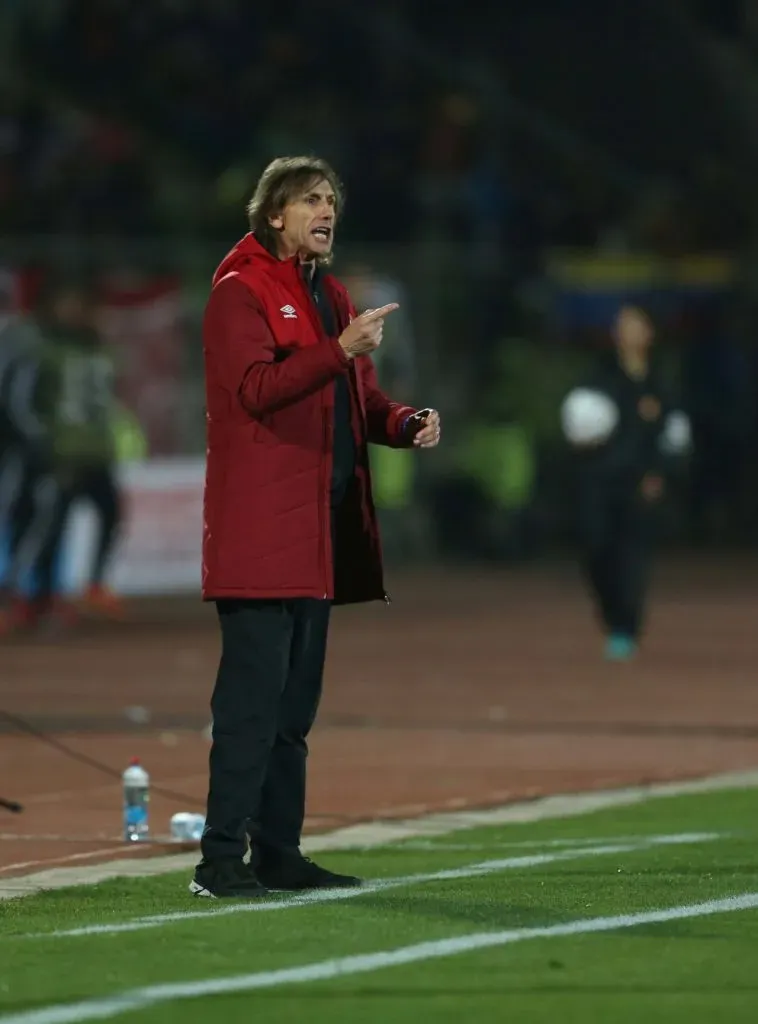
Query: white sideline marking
[380, 833]
[432, 845]
[137, 999]
[487, 867]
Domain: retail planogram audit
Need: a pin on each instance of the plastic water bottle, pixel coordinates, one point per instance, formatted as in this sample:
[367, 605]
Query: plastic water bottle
[187, 827]
[136, 784]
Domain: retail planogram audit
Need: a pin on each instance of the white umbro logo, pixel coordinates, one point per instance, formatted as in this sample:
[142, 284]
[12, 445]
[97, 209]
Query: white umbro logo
[288, 312]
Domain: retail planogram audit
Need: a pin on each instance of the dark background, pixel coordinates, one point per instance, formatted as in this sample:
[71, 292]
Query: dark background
[511, 176]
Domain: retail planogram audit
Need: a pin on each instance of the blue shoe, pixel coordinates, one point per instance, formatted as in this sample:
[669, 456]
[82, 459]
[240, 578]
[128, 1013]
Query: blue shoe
[619, 647]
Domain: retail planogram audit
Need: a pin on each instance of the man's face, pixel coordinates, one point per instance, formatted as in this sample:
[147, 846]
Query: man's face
[306, 224]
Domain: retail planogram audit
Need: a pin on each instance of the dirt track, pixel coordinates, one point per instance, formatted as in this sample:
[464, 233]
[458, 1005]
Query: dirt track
[471, 689]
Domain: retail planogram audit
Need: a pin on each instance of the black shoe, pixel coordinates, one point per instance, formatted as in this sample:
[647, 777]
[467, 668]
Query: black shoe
[226, 879]
[297, 873]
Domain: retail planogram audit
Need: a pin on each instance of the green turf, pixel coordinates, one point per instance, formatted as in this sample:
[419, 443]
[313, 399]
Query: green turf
[703, 972]
[696, 970]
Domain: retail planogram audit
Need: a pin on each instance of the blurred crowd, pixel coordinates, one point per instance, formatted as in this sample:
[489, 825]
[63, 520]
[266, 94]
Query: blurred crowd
[141, 119]
[152, 121]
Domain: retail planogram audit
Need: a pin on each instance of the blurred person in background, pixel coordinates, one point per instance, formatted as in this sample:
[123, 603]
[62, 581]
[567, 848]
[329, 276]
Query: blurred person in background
[19, 429]
[393, 472]
[290, 528]
[396, 360]
[484, 504]
[69, 396]
[621, 482]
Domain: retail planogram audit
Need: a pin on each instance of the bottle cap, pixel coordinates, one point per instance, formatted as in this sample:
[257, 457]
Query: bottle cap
[134, 760]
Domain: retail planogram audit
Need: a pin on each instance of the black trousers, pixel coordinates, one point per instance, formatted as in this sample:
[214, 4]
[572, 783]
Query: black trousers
[39, 518]
[98, 485]
[37, 523]
[12, 465]
[267, 693]
[616, 527]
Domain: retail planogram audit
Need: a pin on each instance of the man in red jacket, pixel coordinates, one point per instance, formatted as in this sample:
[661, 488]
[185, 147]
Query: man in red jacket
[290, 527]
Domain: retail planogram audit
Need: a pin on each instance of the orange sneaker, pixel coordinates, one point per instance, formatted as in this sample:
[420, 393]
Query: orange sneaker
[100, 601]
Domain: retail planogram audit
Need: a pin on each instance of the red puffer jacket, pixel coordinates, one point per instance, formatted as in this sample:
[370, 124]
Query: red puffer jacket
[269, 371]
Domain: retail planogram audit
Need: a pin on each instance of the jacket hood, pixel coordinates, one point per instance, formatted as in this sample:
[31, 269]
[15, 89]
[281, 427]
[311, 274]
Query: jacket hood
[248, 259]
[248, 250]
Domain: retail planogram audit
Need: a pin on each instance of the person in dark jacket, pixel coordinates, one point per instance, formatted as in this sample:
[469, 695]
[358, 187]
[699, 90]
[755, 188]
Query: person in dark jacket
[19, 428]
[65, 387]
[289, 522]
[621, 483]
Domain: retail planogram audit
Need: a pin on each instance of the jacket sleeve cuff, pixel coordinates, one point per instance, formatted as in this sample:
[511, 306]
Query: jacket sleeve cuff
[397, 428]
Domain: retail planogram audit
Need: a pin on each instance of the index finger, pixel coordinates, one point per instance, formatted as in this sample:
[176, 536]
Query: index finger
[377, 314]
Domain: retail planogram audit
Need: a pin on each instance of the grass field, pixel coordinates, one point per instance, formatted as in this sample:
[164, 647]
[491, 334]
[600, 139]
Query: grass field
[642, 914]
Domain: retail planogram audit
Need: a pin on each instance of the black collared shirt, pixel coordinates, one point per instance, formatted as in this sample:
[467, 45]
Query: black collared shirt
[343, 446]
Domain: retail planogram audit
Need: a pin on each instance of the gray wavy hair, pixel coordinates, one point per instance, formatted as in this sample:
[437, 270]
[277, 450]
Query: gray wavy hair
[284, 180]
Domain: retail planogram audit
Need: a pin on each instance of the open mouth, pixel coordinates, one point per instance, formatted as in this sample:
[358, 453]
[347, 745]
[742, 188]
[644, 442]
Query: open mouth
[323, 234]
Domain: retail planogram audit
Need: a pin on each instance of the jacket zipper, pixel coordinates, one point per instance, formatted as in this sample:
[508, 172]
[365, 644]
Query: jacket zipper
[325, 518]
[354, 387]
